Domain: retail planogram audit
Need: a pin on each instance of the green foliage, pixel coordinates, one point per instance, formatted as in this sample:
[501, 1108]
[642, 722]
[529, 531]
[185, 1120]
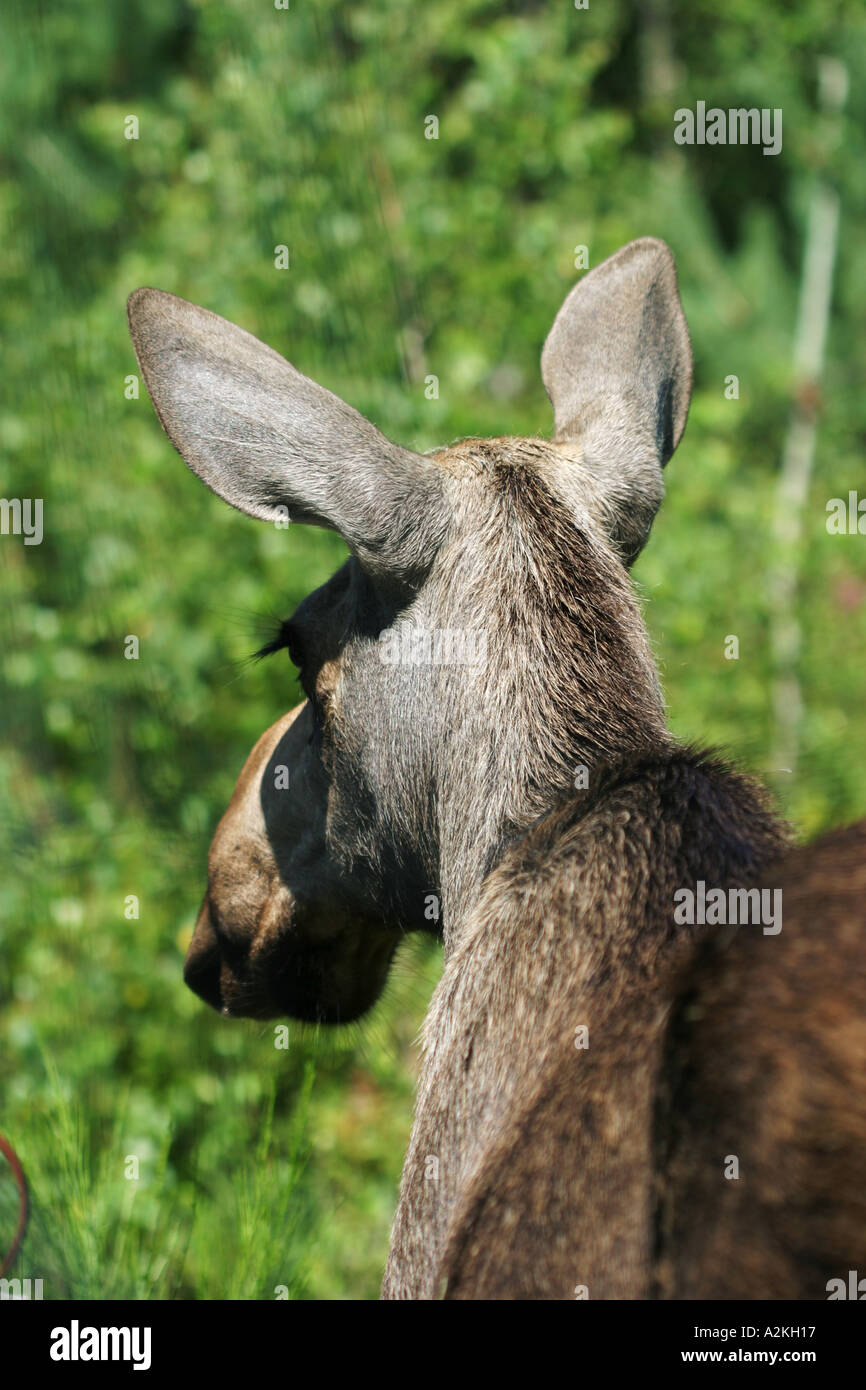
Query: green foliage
[409, 258]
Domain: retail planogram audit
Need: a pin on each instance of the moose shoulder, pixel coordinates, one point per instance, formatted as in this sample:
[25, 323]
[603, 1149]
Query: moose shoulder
[618, 1098]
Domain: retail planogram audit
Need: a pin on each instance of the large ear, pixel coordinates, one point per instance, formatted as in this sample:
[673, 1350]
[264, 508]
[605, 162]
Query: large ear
[264, 437]
[617, 366]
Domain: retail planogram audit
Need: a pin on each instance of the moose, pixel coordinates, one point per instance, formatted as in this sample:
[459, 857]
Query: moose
[617, 1100]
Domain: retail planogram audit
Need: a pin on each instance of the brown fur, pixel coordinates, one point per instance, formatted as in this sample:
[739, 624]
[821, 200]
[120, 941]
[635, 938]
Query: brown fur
[765, 1059]
[547, 1170]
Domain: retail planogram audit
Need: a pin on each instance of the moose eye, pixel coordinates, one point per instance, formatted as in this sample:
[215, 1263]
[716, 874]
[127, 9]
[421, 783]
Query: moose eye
[286, 639]
[297, 647]
[290, 640]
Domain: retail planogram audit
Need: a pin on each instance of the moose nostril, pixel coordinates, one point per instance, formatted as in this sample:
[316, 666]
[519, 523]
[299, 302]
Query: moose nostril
[202, 975]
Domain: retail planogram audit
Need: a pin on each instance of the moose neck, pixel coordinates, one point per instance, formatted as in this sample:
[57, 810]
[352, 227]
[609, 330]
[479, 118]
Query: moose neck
[567, 691]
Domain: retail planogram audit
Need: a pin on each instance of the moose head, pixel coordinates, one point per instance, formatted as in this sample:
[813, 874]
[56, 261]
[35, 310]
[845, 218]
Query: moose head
[520, 657]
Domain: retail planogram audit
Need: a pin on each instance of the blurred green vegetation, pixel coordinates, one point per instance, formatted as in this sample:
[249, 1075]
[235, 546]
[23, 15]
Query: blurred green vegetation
[409, 257]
